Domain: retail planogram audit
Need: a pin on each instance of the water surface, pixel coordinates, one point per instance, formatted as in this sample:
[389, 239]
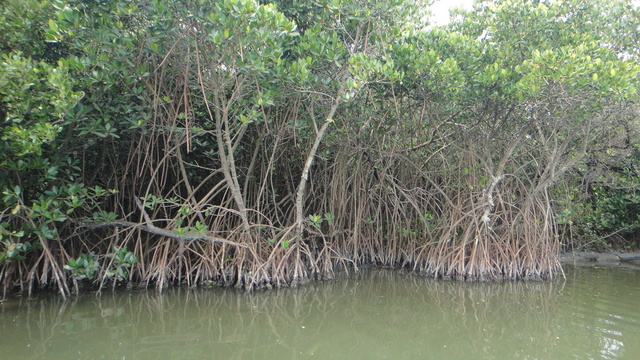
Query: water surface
[375, 314]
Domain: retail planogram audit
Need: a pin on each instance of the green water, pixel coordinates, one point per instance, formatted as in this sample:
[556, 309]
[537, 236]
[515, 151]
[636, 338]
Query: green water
[375, 314]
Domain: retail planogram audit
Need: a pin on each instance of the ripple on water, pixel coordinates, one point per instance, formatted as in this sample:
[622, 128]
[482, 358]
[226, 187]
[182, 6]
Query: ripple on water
[604, 305]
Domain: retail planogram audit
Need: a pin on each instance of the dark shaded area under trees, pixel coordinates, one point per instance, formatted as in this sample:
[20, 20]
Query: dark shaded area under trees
[262, 145]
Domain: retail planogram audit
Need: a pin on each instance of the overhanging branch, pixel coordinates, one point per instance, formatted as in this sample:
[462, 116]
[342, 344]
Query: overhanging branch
[152, 229]
[187, 236]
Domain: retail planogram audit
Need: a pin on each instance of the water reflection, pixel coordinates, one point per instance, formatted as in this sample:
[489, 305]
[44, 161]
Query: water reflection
[372, 315]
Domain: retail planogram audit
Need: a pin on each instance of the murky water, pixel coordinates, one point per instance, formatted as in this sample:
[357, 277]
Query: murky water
[376, 314]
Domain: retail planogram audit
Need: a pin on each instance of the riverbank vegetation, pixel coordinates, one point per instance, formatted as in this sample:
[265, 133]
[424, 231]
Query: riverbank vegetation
[265, 144]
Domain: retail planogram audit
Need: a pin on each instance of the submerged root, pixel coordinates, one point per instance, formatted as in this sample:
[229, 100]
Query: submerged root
[218, 265]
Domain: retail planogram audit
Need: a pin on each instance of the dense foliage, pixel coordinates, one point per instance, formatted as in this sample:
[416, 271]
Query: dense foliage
[264, 144]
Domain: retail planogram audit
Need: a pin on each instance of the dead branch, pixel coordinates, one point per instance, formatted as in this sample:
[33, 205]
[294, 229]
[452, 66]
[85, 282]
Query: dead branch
[151, 229]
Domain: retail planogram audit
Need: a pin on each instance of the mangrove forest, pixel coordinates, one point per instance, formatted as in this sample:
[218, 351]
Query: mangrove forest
[265, 144]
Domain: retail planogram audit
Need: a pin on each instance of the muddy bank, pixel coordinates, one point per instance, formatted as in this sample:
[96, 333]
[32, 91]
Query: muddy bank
[582, 258]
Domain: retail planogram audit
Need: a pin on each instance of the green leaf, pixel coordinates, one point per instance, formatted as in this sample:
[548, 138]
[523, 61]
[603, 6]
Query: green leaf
[53, 26]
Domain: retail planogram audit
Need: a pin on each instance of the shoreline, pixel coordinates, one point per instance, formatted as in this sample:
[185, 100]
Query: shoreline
[589, 258]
